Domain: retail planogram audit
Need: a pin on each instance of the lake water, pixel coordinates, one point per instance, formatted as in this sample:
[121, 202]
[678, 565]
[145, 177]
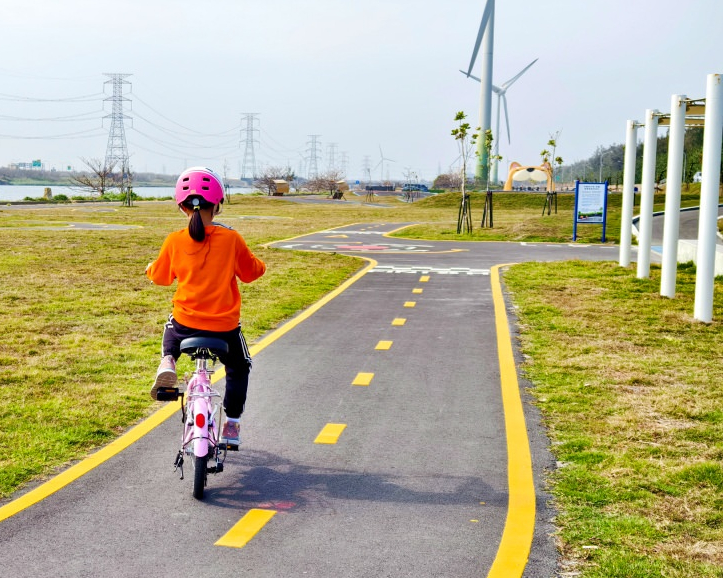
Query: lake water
[19, 192]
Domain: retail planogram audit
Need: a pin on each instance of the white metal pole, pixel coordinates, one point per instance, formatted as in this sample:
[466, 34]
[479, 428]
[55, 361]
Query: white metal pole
[707, 226]
[626, 220]
[647, 193]
[674, 179]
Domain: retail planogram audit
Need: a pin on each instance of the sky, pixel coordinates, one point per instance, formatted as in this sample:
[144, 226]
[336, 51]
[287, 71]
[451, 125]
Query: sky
[372, 78]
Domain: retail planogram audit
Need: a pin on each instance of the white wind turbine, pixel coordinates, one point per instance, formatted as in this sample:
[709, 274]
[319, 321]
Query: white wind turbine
[381, 163]
[501, 92]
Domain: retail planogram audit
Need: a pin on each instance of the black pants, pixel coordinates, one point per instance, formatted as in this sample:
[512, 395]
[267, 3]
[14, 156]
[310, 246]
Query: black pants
[237, 361]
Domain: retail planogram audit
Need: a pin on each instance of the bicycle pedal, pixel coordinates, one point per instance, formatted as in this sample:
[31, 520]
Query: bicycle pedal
[167, 394]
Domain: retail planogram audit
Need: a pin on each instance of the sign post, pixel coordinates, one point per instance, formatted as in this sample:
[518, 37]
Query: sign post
[591, 206]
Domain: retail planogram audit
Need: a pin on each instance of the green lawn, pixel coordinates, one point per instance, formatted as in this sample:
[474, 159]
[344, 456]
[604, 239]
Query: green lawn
[627, 382]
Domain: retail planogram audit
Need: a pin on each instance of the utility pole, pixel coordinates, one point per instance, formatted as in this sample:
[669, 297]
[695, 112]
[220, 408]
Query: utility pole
[248, 128]
[116, 153]
[313, 156]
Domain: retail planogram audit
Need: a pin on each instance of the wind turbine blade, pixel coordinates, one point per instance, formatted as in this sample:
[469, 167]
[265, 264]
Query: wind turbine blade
[472, 76]
[512, 80]
[507, 118]
[480, 34]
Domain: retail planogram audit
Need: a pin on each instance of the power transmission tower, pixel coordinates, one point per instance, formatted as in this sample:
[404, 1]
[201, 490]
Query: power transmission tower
[116, 153]
[367, 169]
[331, 152]
[344, 162]
[313, 156]
[248, 124]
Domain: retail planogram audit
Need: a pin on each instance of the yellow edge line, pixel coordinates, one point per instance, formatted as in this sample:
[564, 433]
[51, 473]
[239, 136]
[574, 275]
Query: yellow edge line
[306, 313]
[133, 435]
[92, 461]
[514, 548]
[266, 245]
[246, 528]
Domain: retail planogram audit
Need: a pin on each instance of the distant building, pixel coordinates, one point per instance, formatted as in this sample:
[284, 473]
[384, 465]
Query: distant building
[697, 177]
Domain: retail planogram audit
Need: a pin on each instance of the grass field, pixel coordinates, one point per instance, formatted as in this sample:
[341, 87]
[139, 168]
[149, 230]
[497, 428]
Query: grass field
[628, 384]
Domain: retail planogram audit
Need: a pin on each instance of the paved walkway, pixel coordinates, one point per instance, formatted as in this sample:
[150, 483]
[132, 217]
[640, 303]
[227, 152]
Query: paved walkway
[401, 369]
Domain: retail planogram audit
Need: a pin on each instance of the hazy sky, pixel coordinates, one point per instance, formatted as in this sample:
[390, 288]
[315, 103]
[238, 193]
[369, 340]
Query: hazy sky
[361, 75]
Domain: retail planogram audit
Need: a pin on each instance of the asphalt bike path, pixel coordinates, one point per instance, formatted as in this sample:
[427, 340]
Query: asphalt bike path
[375, 443]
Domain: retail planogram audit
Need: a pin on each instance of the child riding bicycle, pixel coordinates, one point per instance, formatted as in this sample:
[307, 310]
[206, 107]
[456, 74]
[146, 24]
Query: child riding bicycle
[206, 258]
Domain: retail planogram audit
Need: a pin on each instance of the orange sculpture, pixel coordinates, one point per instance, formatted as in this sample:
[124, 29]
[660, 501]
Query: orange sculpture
[538, 173]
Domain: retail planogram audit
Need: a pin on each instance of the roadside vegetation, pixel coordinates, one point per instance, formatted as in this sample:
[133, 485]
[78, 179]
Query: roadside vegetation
[629, 385]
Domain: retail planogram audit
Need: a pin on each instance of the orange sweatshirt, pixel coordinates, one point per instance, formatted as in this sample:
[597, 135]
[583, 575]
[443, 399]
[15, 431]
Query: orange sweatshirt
[207, 296]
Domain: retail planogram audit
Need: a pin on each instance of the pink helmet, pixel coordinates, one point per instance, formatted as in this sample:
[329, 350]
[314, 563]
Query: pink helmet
[199, 181]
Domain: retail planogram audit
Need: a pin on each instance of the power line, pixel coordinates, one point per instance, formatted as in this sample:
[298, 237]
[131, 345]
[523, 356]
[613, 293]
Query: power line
[68, 118]
[192, 132]
[56, 136]
[84, 98]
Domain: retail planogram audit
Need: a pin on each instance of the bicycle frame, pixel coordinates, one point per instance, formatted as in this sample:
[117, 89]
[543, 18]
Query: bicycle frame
[201, 412]
[200, 415]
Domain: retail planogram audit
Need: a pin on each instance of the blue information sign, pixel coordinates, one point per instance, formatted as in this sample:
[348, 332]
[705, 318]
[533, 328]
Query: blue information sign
[591, 206]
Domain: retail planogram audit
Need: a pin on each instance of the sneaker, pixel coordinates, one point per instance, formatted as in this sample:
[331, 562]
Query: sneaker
[231, 433]
[165, 376]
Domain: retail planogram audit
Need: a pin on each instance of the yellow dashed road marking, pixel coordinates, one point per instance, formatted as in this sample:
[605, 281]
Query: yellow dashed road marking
[410, 303]
[384, 345]
[399, 321]
[363, 379]
[417, 290]
[246, 528]
[330, 434]
[424, 279]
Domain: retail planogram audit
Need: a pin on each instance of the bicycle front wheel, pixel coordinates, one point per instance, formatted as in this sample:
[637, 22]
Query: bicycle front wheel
[199, 477]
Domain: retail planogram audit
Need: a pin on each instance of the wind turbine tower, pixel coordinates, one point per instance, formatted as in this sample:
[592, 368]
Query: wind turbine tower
[501, 92]
[485, 39]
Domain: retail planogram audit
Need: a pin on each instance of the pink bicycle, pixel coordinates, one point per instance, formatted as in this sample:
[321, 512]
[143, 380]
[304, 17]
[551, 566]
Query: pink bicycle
[200, 413]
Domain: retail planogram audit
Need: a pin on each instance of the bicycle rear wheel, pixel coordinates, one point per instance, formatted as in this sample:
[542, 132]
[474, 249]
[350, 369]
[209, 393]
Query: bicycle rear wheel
[199, 476]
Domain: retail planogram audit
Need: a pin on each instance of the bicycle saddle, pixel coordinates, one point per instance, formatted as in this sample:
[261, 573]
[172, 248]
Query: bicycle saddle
[214, 345]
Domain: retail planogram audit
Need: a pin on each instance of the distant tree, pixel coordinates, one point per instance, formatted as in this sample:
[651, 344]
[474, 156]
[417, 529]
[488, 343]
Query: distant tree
[124, 181]
[448, 181]
[548, 156]
[466, 139]
[265, 181]
[326, 181]
[97, 180]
